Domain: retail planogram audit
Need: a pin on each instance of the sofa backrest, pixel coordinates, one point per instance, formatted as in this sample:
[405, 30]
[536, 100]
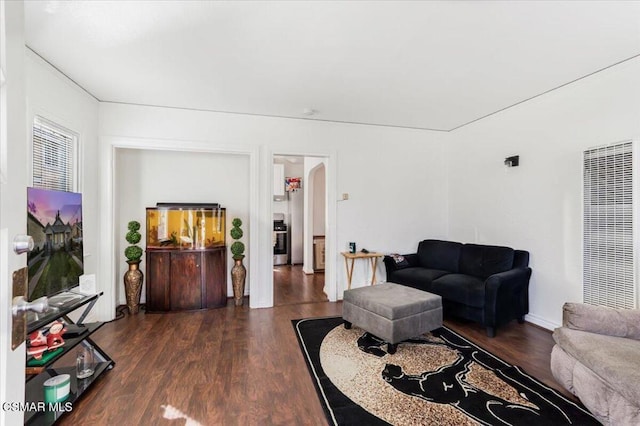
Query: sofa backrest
[520, 258]
[437, 254]
[482, 261]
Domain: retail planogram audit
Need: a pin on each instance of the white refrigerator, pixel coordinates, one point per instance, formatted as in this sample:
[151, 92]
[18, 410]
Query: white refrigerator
[296, 225]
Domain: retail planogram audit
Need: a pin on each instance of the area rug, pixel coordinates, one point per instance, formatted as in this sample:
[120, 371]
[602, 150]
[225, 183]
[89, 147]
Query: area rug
[439, 378]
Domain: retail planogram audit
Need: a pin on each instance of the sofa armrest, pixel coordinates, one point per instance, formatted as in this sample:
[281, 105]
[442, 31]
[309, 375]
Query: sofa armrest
[602, 320]
[391, 266]
[507, 295]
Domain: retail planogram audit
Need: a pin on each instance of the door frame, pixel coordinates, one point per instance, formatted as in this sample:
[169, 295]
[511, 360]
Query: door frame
[13, 184]
[107, 266]
[329, 157]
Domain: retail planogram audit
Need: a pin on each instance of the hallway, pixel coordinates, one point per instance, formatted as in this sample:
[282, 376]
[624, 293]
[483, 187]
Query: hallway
[291, 286]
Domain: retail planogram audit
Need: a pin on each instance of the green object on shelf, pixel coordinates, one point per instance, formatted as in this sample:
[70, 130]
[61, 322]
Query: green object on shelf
[57, 389]
[46, 357]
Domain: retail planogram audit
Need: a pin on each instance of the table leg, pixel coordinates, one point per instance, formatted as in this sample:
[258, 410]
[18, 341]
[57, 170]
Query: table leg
[349, 271]
[374, 265]
[353, 261]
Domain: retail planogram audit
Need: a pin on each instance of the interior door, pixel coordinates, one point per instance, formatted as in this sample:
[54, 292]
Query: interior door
[13, 195]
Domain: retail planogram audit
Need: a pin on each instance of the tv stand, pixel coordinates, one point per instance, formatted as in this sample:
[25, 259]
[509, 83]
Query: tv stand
[61, 306]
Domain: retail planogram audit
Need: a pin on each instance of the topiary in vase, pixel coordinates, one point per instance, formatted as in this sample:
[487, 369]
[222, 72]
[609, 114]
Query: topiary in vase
[133, 278]
[238, 272]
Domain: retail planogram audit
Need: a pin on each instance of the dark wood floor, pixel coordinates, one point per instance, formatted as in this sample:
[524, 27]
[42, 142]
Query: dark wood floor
[292, 286]
[240, 366]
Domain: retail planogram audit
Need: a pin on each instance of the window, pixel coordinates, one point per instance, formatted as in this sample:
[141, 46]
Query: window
[609, 245]
[54, 156]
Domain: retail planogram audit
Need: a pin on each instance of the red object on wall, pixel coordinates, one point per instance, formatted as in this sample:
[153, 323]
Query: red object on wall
[292, 184]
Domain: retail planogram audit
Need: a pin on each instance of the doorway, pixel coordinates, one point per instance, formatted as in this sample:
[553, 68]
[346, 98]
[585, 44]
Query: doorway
[299, 213]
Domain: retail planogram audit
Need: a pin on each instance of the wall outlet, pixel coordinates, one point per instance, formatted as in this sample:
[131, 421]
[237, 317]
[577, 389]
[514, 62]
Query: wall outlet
[345, 196]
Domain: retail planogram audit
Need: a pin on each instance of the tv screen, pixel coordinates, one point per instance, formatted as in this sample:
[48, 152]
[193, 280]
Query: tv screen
[54, 221]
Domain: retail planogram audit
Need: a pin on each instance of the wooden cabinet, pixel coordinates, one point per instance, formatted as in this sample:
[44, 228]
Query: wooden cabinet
[182, 280]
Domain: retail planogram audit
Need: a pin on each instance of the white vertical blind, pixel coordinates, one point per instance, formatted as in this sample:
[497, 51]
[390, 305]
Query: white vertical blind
[609, 265]
[53, 156]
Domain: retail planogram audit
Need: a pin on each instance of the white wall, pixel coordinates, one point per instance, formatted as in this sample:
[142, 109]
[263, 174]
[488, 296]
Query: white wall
[146, 177]
[396, 177]
[319, 204]
[53, 96]
[538, 205]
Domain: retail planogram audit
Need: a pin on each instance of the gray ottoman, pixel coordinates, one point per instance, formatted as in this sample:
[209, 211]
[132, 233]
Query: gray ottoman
[392, 312]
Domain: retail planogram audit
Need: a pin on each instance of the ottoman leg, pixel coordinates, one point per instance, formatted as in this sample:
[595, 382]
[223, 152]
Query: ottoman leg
[391, 348]
[347, 325]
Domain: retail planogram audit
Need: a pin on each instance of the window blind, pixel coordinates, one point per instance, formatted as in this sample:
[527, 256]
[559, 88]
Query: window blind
[53, 156]
[608, 270]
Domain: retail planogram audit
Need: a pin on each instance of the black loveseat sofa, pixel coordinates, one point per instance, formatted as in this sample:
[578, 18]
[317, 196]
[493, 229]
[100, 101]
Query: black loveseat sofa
[487, 284]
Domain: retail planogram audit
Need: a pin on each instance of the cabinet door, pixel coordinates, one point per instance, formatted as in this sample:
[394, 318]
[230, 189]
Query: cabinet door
[158, 276]
[186, 284]
[214, 275]
[278, 180]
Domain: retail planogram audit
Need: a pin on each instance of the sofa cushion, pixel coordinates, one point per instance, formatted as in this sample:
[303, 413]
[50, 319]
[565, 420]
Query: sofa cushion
[441, 255]
[418, 277]
[606, 404]
[614, 359]
[602, 320]
[460, 288]
[483, 261]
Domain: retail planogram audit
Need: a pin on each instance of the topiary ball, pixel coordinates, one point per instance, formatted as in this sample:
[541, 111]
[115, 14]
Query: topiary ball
[236, 222]
[237, 249]
[133, 237]
[134, 225]
[236, 233]
[133, 253]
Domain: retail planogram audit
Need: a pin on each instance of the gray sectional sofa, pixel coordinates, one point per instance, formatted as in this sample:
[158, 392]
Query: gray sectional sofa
[597, 358]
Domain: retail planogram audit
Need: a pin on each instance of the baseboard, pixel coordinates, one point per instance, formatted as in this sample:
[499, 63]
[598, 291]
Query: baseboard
[541, 322]
[533, 319]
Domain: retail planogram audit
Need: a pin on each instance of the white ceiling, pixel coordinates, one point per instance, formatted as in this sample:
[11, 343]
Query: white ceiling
[431, 65]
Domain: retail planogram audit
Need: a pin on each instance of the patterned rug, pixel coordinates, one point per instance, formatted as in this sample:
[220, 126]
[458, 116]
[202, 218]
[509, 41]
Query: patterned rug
[440, 378]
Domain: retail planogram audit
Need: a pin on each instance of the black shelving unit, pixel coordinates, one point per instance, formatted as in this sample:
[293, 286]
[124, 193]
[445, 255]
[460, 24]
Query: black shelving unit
[61, 306]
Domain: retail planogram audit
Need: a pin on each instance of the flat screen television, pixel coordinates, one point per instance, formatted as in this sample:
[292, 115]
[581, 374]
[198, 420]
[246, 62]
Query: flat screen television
[54, 221]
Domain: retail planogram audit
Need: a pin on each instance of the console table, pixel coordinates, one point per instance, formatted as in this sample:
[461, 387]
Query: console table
[372, 256]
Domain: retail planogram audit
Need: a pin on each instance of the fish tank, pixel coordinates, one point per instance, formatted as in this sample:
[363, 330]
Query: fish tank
[185, 226]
